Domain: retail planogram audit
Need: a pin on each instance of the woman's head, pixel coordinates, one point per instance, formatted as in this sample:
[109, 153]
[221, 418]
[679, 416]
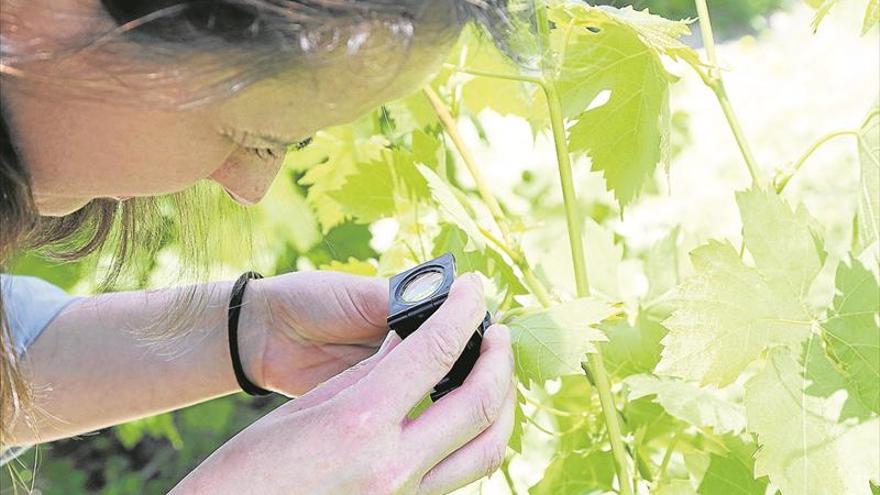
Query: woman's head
[116, 98]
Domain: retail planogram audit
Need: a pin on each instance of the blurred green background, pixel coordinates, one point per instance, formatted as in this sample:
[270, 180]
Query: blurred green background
[152, 455]
[729, 18]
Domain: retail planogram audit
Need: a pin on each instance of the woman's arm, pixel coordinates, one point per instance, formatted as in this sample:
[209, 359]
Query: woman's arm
[90, 370]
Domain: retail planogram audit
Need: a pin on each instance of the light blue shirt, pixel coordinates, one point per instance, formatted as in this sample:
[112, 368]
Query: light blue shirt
[30, 305]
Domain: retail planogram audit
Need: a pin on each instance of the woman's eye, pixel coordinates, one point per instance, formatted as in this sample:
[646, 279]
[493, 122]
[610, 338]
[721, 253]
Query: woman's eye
[176, 20]
[235, 21]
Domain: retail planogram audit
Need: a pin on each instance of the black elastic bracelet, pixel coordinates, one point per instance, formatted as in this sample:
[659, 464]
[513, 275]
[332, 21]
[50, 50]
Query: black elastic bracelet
[234, 311]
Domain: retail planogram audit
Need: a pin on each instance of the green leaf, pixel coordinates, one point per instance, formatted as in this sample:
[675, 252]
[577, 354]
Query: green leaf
[353, 266]
[662, 267]
[454, 240]
[601, 53]
[378, 188]
[823, 8]
[603, 260]
[428, 149]
[452, 209]
[852, 331]
[803, 449]
[519, 420]
[334, 154]
[872, 16]
[869, 185]
[368, 194]
[412, 113]
[64, 275]
[479, 93]
[577, 473]
[211, 417]
[632, 349]
[729, 313]
[285, 212]
[160, 426]
[576, 431]
[650, 417]
[826, 378]
[661, 34]
[732, 474]
[779, 240]
[409, 181]
[552, 343]
[674, 487]
[725, 317]
[690, 403]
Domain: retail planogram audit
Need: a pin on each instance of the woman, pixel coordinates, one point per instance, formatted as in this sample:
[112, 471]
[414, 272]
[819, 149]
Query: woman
[106, 100]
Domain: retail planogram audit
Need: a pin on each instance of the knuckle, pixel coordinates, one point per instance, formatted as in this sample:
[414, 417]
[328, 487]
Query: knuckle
[443, 345]
[487, 405]
[359, 419]
[493, 457]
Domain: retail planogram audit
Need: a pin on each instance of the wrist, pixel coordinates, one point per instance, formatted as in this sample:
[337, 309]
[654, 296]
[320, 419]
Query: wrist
[253, 329]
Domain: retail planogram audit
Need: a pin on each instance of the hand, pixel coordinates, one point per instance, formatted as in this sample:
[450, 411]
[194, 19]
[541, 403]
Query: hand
[352, 434]
[300, 329]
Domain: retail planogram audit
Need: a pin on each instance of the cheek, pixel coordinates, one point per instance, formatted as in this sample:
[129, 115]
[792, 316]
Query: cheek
[100, 150]
[159, 154]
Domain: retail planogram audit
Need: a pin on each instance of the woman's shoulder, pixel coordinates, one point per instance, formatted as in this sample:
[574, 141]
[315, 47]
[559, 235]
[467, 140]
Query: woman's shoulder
[30, 304]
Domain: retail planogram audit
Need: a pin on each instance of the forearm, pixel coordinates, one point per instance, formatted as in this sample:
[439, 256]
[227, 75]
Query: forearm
[92, 368]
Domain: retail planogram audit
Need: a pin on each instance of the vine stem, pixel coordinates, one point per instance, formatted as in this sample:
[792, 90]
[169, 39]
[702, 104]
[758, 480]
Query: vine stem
[451, 128]
[806, 156]
[505, 469]
[667, 456]
[493, 75]
[569, 196]
[449, 125]
[595, 365]
[715, 81]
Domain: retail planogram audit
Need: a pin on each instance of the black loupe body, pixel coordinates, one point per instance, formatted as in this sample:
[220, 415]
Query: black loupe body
[414, 296]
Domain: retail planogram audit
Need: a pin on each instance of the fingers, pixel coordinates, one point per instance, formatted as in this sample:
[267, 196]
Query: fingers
[345, 379]
[471, 408]
[481, 457]
[369, 296]
[424, 358]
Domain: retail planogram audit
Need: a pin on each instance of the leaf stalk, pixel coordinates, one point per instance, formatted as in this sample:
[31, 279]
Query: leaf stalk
[781, 185]
[505, 245]
[715, 81]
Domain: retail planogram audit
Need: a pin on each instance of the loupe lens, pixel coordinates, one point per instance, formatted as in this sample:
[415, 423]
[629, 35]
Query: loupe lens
[421, 286]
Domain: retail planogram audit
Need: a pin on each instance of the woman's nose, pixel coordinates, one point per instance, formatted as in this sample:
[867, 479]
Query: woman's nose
[248, 174]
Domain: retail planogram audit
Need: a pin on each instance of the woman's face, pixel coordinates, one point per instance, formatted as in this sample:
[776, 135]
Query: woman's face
[116, 143]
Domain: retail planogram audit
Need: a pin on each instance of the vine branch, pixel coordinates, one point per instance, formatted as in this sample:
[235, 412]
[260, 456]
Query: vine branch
[594, 368]
[781, 185]
[715, 81]
[667, 456]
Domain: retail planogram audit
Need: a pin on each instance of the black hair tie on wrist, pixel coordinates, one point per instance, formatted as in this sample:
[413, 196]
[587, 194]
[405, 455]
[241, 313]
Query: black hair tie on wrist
[234, 312]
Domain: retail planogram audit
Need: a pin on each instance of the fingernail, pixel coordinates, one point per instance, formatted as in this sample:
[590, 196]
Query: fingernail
[475, 279]
[498, 330]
